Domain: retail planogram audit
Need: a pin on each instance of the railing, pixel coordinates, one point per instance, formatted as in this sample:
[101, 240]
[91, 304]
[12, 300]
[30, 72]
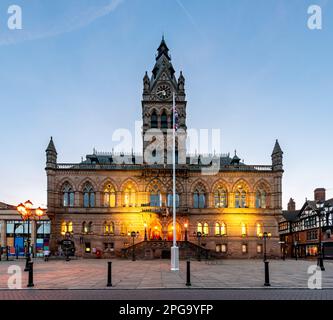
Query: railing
[93, 166]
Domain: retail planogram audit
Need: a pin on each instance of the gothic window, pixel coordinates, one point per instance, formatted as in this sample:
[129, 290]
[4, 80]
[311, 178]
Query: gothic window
[155, 196]
[217, 229]
[67, 195]
[206, 229]
[199, 198]
[223, 229]
[260, 199]
[108, 227]
[129, 196]
[259, 229]
[244, 230]
[88, 196]
[199, 228]
[84, 227]
[109, 196]
[220, 198]
[240, 199]
[66, 227]
[164, 120]
[170, 200]
[154, 120]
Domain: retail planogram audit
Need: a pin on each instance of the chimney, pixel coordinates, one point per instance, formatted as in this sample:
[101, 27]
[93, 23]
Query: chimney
[291, 205]
[320, 194]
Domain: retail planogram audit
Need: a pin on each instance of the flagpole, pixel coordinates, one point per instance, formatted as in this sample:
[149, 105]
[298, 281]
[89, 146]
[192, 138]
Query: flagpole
[174, 249]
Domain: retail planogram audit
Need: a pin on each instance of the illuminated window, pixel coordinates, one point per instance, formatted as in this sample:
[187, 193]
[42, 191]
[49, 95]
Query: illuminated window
[218, 248]
[206, 229]
[170, 200]
[108, 227]
[67, 195]
[199, 198]
[199, 228]
[84, 227]
[129, 196]
[244, 248]
[220, 198]
[259, 229]
[123, 229]
[217, 229]
[243, 229]
[66, 227]
[88, 196]
[223, 229]
[224, 248]
[109, 196]
[259, 248]
[240, 199]
[260, 199]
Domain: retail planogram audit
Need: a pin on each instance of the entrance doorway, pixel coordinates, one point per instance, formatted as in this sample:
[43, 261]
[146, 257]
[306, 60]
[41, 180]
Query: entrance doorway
[170, 231]
[155, 232]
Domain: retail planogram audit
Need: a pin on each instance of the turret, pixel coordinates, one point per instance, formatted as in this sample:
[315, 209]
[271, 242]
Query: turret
[51, 155]
[277, 157]
[146, 84]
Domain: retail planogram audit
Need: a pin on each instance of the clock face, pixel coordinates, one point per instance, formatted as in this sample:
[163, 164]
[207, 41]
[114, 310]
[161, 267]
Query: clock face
[164, 92]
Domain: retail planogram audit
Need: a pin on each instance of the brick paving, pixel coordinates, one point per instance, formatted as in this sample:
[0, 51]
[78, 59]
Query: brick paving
[156, 274]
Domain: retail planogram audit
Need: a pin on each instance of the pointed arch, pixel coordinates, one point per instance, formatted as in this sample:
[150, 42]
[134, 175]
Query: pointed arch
[88, 195]
[241, 192]
[199, 195]
[129, 191]
[109, 194]
[67, 194]
[154, 120]
[107, 181]
[220, 193]
[262, 194]
[164, 119]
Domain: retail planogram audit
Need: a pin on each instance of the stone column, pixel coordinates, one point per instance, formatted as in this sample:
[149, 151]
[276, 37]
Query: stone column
[33, 235]
[3, 233]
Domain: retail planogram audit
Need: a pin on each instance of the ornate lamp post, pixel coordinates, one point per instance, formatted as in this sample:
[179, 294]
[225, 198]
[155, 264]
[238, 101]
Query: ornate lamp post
[198, 234]
[27, 213]
[134, 235]
[264, 236]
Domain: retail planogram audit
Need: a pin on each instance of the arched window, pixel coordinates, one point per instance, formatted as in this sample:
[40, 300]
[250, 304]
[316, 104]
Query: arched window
[123, 229]
[260, 199]
[223, 229]
[109, 196]
[244, 230]
[129, 196]
[170, 200]
[164, 120]
[155, 197]
[84, 227]
[199, 198]
[220, 198]
[90, 227]
[199, 228]
[217, 229]
[66, 227]
[240, 199]
[206, 229]
[259, 229]
[153, 120]
[67, 195]
[88, 196]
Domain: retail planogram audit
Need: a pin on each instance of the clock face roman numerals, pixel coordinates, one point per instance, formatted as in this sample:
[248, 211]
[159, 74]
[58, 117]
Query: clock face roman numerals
[164, 91]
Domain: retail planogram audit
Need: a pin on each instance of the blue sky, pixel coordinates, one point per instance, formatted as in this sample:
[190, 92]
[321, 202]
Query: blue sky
[252, 69]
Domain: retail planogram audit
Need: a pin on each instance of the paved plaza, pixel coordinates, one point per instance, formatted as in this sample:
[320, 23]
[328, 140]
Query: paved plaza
[155, 274]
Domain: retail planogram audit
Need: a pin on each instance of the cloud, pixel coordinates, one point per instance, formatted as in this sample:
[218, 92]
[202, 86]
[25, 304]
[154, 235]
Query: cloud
[68, 23]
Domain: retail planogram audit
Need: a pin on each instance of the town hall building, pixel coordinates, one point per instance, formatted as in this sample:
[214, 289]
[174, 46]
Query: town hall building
[106, 205]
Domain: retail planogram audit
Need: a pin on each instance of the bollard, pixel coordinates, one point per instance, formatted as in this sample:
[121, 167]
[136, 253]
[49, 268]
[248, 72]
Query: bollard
[17, 252]
[7, 253]
[109, 284]
[188, 273]
[31, 275]
[267, 284]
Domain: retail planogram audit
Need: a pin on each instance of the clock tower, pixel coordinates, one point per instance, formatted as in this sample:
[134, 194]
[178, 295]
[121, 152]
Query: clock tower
[157, 108]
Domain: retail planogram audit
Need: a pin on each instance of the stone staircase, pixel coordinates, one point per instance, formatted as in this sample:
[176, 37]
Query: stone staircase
[147, 250]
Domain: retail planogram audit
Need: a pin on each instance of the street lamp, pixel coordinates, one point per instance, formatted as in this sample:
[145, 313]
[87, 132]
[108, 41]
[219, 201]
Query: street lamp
[320, 211]
[185, 226]
[198, 234]
[134, 235]
[27, 213]
[265, 236]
